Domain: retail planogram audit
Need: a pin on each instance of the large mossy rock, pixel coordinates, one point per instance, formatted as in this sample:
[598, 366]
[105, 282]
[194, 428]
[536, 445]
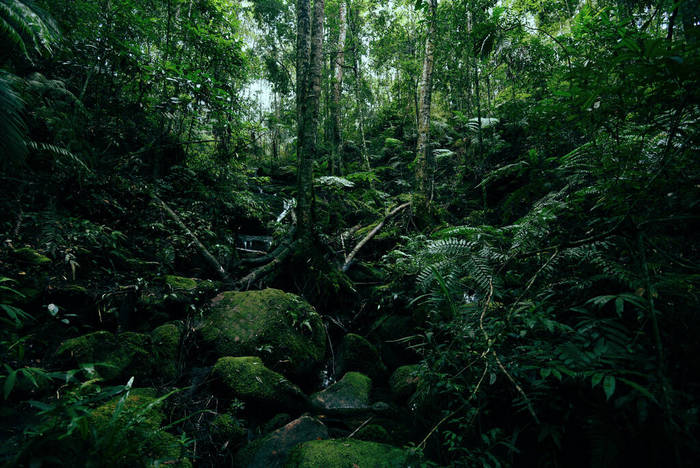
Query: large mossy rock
[280, 328]
[116, 356]
[358, 354]
[347, 396]
[247, 379]
[165, 342]
[129, 433]
[272, 450]
[347, 453]
[404, 381]
[146, 357]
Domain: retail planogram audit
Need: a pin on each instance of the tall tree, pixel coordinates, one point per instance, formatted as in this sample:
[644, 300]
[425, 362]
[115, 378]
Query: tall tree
[423, 156]
[308, 74]
[338, 64]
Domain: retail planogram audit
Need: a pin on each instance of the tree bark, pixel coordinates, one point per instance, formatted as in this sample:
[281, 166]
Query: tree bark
[423, 156]
[309, 56]
[337, 89]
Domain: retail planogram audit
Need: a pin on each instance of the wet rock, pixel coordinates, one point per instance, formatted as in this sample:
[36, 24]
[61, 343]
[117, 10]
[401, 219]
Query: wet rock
[247, 379]
[348, 395]
[280, 328]
[272, 450]
[346, 453]
[358, 354]
[403, 382]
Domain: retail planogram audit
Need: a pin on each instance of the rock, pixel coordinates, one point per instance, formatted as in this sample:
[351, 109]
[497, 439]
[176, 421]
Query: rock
[272, 450]
[348, 395]
[114, 356]
[180, 283]
[358, 354]
[346, 453]
[403, 382]
[276, 422]
[280, 328]
[225, 428]
[247, 379]
[373, 433]
[166, 349]
[127, 354]
[134, 432]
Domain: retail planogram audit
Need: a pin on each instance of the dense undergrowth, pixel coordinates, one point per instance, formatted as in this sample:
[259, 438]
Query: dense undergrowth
[539, 310]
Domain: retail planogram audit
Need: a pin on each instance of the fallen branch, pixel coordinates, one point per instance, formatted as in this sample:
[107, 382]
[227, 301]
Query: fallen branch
[264, 270]
[372, 233]
[208, 257]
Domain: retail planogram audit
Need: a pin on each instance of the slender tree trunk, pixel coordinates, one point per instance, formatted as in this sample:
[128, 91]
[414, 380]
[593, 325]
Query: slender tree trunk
[423, 156]
[337, 89]
[309, 64]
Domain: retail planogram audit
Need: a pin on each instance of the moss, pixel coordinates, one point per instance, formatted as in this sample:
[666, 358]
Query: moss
[282, 329]
[225, 427]
[349, 394]
[180, 283]
[374, 433]
[346, 453]
[248, 379]
[166, 349]
[133, 436]
[276, 422]
[116, 356]
[403, 381]
[30, 256]
[358, 354]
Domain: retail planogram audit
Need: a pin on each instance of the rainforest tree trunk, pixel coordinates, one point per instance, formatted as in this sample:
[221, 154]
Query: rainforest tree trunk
[337, 90]
[309, 56]
[423, 156]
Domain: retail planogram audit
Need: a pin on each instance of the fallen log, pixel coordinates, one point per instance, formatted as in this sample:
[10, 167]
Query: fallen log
[208, 257]
[372, 233]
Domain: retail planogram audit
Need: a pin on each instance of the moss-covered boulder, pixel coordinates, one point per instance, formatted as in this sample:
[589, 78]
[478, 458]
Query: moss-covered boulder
[180, 283]
[225, 428]
[247, 379]
[346, 453]
[348, 395]
[272, 450]
[114, 356]
[403, 382]
[276, 422]
[373, 433]
[118, 357]
[128, 433]
[358, 354]
[280, 328]
[165, 341]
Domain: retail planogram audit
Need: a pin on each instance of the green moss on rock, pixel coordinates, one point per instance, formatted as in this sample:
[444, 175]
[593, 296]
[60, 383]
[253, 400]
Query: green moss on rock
[280, 328]
[346, 453]
[225, 428]
[166, 349]
[125, 355]
[403, 382]
[180, 283]
[247, 378]
[358, 354]
[348, 395]
[373, 433]
[130, 434]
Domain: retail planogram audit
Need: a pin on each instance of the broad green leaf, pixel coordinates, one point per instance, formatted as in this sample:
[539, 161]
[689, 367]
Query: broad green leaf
[609, 386]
